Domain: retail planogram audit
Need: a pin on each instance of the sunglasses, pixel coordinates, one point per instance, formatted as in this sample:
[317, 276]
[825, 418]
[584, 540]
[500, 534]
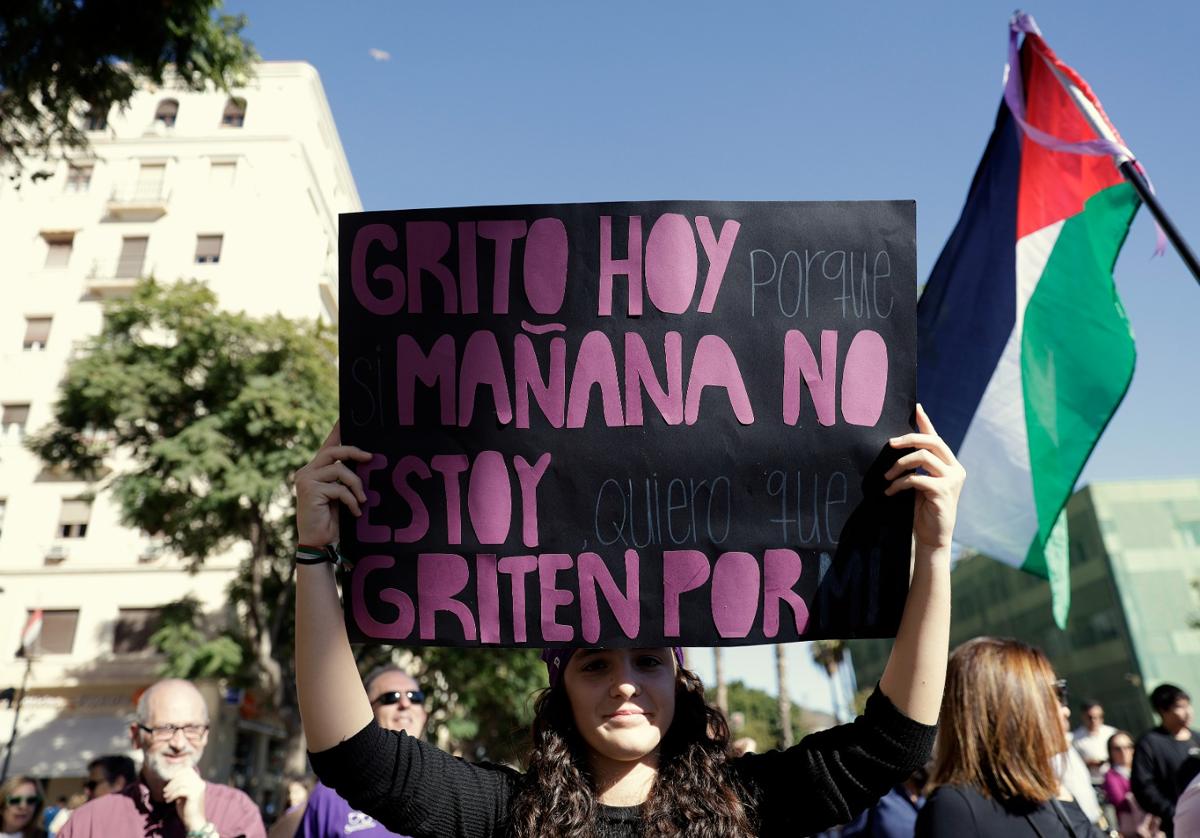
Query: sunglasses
[31, 800]
[1060, 692]
[394, 696]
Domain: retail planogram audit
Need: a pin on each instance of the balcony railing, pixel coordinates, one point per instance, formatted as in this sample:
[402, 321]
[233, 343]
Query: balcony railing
[116, 278]
[139, 200]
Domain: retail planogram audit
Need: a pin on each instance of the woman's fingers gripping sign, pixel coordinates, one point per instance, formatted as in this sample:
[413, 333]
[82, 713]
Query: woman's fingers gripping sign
[324, 483]
[935, 473]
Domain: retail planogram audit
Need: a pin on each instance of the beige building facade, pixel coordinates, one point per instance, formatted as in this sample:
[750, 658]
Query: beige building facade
[240, 190]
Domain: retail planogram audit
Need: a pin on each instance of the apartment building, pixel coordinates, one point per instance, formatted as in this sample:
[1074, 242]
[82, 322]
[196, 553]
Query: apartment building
[240, 190]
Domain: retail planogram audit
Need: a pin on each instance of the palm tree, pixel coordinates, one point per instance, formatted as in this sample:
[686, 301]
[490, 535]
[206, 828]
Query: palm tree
[719, 676]
[830, 654]
[785, 702]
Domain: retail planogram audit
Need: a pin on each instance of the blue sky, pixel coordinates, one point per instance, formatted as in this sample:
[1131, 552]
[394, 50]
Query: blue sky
[530, 102]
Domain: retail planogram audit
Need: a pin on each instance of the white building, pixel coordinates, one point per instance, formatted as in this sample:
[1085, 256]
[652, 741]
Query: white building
[240, 191]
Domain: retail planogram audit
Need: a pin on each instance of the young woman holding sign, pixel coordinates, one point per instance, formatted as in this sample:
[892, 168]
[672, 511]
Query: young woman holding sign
[623, 742]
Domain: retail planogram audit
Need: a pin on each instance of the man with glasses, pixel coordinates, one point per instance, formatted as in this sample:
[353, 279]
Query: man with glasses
[399, 705]
[169, 799]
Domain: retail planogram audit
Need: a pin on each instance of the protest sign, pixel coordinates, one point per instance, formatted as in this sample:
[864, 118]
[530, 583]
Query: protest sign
[627, 424]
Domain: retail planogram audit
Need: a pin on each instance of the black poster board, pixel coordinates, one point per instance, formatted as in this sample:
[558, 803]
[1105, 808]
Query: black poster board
[627, 424]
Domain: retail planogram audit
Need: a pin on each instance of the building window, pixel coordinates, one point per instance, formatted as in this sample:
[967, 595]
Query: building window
[166, 112]
[58, 249]
[79, 178]
[74, 517]
[37, 332]
[134, 628]
[1191, 533]
[3, 507]
[96, 118]
[235, 113]
[221, 174]
[57, 636]
[150, 182]
[132, 258]
[13, 419]
[208, 250]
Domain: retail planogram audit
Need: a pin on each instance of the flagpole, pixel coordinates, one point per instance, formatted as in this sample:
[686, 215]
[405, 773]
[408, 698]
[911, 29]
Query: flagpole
[12, 741]
[1160, 215]
[1130, 170]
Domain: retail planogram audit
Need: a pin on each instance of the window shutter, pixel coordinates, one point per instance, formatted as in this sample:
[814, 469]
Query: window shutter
[208, 249]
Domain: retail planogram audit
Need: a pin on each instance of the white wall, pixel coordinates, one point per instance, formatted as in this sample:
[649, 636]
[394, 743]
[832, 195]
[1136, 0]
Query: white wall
[278, 221]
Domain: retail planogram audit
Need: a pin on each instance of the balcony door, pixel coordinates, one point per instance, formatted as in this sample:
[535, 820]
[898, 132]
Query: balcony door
[133, 257]
[150, 181]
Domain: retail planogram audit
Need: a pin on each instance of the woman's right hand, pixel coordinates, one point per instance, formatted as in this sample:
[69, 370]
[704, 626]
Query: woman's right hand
[324, 483]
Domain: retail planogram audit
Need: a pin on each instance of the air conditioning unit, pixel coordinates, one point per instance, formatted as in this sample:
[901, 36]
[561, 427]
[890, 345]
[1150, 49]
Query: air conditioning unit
[150, 553]
[57, 553]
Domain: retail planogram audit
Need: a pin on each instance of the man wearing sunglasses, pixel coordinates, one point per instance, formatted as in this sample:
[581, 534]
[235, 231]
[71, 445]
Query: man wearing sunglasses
[108, 774]
[399, 705]
[170, 799]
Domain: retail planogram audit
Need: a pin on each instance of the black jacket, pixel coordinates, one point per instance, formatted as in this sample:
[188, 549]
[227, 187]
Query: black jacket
[962, 812]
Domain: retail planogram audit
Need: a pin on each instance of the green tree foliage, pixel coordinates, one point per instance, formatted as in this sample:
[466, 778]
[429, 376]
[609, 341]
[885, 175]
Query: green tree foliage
[214, 411]
[192, 652]
[57, 59]
[211, 413]
[759, 712]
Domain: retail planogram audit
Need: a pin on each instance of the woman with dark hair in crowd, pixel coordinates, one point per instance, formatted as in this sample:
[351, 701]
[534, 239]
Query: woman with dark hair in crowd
[21, 801]
[623, 741]
[999, 732]
[1132, 820]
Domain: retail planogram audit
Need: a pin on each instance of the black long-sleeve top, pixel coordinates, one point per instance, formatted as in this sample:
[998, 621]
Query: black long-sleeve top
[1156, 762]
[962, 812]
[415, 789]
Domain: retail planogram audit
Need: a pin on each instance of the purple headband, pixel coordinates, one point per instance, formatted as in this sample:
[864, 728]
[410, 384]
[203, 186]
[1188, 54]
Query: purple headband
[556, 658]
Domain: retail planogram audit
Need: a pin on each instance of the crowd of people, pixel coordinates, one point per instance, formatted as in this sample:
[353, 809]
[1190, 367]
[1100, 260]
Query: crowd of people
[624, 743]
[1000, 767]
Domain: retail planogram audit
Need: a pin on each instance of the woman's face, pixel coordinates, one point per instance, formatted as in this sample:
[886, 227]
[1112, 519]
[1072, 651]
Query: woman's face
[19, 807]
[1120, 751]
[622, 700]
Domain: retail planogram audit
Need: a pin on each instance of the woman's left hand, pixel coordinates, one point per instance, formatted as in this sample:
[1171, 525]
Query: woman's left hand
[938, 484]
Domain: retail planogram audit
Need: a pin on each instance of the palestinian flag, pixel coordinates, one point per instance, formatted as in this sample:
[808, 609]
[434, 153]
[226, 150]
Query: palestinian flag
[1024, 348]
[31, 632]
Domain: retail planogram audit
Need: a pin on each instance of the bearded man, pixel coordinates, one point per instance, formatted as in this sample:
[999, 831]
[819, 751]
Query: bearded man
[170, 798]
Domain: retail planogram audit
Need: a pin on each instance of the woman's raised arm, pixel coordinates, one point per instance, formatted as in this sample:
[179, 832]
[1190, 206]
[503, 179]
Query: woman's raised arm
[915, 675]
[333, 703]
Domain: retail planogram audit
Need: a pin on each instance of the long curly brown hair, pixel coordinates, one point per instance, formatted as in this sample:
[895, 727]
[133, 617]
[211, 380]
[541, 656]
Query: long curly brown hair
[696, 793]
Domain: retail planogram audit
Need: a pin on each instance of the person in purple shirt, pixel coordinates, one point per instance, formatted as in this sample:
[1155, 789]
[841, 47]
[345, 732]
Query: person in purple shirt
[895, 815]
[399, 704]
